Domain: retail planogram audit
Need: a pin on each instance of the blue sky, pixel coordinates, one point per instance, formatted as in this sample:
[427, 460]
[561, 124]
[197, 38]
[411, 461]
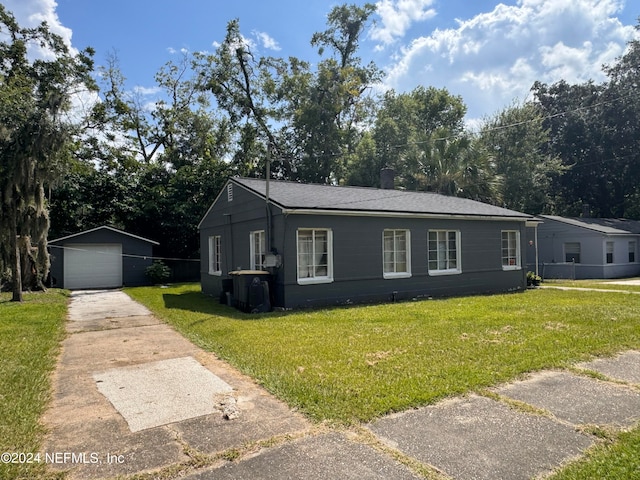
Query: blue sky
[488, 52]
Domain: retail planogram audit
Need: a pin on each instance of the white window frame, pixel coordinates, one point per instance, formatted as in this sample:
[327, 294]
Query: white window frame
[257, 255]
[513, 236]
[633, 251]
[215, 255]
[447, 271]
[395, 253]
[315, 279]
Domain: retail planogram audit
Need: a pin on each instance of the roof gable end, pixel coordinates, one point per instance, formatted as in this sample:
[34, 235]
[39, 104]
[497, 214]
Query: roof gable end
[104, 227]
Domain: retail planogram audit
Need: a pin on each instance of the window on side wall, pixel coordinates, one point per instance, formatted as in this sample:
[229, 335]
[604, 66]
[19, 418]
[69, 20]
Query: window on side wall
[396, 253]
[511, 250]
[609, 255]
[314, 255]
[633, 245]
[215, 255]
[444, 252]
[257, 247]
[572, 252]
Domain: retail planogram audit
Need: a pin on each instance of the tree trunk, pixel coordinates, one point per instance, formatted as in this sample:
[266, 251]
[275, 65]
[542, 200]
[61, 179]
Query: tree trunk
[16, 263]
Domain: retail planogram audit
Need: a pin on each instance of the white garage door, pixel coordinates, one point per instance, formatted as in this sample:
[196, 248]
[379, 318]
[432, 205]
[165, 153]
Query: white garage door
[92, 266]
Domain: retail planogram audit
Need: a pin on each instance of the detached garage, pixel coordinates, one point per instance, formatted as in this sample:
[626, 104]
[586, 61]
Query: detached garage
[103, 257]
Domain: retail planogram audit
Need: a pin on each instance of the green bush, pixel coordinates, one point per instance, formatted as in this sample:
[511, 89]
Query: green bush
[158, 272]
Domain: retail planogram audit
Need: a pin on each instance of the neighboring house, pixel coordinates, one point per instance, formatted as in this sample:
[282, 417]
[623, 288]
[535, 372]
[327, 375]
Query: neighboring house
[588, 247]
[102, 257]
[337, 245]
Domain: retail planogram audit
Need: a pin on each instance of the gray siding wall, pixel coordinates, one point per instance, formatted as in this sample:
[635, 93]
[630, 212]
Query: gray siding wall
[133, 268]
[233, 221]
[552, 237]
[358, 269]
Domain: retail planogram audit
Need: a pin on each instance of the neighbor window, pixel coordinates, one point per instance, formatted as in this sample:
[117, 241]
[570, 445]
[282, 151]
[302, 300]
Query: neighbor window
[396, 255]
[511, 250]
[443, 252]
[215, 263]
[609, 252]
[257, 247]
[572, 252]
[315, 259]
[632, 252]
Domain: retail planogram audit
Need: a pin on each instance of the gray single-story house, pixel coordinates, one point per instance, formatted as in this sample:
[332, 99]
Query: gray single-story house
[588, 247]
[103, 257]
[327, 245]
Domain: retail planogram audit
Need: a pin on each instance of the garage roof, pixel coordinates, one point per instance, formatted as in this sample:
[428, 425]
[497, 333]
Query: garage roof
[104, 227]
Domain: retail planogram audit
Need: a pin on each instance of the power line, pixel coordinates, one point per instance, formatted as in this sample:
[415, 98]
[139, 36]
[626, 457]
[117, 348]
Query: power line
[128, 255]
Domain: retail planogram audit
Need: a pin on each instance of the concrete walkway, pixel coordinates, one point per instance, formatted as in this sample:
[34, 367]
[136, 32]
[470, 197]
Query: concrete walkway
[132, 396]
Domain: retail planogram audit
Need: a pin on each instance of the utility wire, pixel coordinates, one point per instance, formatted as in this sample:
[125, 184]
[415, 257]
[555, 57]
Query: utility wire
[145, 257]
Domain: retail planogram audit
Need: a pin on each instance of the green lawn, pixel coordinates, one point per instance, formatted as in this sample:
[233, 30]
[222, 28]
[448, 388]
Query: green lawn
[353, 364]
[30, 334]
[598, 284]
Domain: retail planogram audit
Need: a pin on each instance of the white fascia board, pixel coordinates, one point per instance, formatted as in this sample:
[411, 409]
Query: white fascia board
[101, 228]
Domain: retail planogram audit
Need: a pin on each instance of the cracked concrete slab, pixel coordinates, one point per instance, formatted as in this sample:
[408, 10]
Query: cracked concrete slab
[481, 439]
[577, 399]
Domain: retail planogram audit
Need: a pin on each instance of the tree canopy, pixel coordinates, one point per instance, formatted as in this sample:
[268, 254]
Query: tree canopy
[35, 142]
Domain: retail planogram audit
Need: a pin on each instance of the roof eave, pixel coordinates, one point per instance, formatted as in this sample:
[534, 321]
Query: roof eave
[100, 228]
[380, 213]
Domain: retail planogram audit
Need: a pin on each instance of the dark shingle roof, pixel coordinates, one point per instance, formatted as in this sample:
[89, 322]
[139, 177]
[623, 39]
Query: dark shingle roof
[292, 195]
[603, 225]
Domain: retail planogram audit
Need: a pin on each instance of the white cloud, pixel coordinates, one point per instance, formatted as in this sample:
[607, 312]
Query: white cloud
[145, 91]
[494, 57]
[397, 16]
[31, 13]
[267, 41]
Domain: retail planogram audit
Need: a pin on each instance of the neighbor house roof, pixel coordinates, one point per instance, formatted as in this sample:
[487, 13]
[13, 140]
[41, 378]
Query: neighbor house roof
[294, 196]
[612, 226]
[104, 227]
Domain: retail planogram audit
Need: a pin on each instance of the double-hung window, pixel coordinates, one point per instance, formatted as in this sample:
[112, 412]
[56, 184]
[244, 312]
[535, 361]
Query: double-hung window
[632, 251]
[315, 255]
[609, 255]
[444, 252]
[396, 253]
[511, 250]
[257, 247]
[215, 255]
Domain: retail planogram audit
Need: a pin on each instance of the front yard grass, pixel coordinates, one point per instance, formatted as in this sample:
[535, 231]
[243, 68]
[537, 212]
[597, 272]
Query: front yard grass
[597, 284]
[30, 334]
[353, 364]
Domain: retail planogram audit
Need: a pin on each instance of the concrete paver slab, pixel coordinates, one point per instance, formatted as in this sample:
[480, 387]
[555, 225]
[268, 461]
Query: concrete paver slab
[577, 399]
[478, 438]
[329, 456]
[156, 393]
[625, 367]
